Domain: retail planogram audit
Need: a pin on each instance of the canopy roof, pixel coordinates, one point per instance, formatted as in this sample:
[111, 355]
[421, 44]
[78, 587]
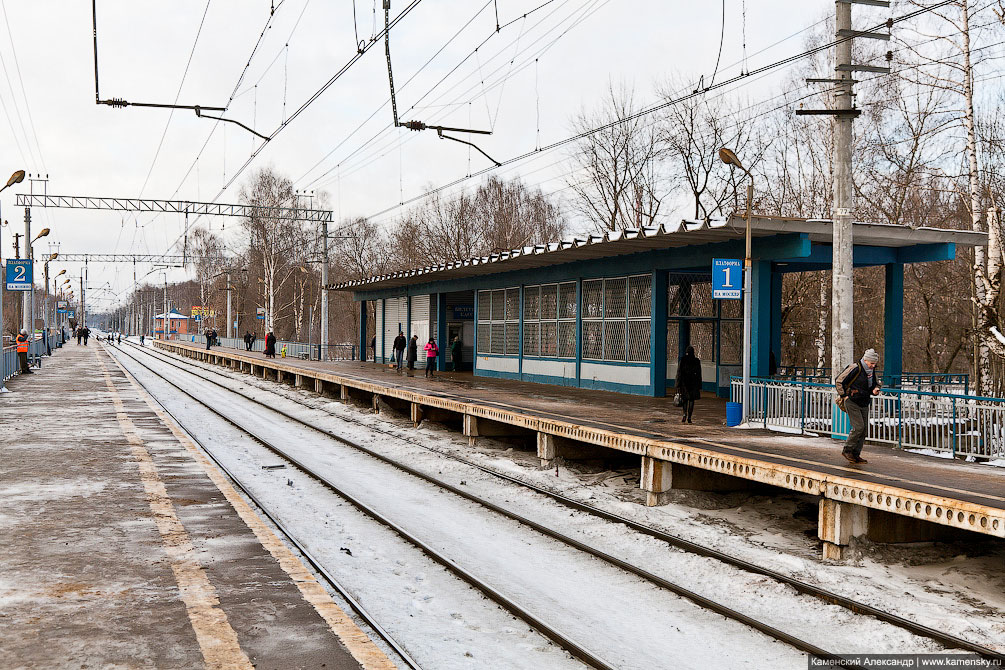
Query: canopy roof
[171, 315]
[685, 233]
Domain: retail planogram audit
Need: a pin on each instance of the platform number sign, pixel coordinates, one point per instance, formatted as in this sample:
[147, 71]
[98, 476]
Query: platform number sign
[727, 278]
[18, 275]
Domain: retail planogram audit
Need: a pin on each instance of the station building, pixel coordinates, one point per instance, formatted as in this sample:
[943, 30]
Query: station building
[616, 311]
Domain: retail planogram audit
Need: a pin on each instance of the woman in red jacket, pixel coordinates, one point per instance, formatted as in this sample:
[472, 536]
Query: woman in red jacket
[432, 351]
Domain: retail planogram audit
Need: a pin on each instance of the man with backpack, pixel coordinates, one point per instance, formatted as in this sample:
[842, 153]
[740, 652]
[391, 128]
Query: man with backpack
[855, 387]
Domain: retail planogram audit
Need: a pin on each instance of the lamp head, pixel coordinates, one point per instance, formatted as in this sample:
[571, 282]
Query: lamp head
[41, 233]
[53, 256]
[15, 178]
[729, 158]
[62, 272]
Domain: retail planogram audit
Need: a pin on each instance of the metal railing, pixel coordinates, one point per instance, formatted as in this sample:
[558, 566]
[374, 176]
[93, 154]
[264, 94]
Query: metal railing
[36, 349]
[302, 350]
[936, 382]
[959, 425]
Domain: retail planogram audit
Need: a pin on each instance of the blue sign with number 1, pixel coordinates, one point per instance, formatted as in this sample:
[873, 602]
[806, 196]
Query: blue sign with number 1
[727, 274]
[18, 275]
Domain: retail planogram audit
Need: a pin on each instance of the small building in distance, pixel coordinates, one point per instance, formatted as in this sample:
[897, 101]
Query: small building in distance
[177, 325]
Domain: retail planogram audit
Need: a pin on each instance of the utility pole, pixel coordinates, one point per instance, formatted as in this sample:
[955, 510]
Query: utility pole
[165, 319]
[230, 322]
[324, 290]
[27, 314]
[844, 114]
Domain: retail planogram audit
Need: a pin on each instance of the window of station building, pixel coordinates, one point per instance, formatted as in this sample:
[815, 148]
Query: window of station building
[549, 320]
[616, 318]
[499, 322]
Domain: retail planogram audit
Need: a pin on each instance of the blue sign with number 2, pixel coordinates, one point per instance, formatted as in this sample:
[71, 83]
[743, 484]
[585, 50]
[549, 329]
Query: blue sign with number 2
[18, 276]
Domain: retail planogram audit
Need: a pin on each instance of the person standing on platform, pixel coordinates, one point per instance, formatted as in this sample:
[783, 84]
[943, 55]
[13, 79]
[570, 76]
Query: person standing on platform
[856, 385]
[87, 334]
[688, 383]
[413, 353]
[399, 349]
[119, 339]
[80, 334]
[209, 339]
[456, 351]
[253, 338]
[247, 341]
[22, 351]
[270, 345]
[432, 351]
[142, 338]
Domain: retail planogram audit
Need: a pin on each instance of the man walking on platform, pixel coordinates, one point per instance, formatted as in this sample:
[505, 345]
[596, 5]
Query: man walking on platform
[22, 351]
[399, 349]
[855, 386]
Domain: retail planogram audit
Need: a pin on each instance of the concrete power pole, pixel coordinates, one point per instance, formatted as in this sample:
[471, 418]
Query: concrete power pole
[844, 114]
[230, 322]
[27, 317]
[324, 290]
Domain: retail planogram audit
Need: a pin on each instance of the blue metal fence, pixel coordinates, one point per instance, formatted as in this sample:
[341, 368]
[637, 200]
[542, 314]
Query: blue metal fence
[36, 349]
[958, 425]
[303, 350]
[936, 382]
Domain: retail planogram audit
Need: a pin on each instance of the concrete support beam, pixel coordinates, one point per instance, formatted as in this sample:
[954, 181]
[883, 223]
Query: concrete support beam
[279, 376]
[656, 481]
[415, 412]
[470, 428]
[343, 393]
[546, 449]
[265, 372]
[375, 403]
[839, 522]
[319, 386]
[298, 381]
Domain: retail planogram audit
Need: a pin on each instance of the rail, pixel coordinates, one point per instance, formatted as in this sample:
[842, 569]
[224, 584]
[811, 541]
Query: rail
[303, 350]
[936, 382]
[957, 425]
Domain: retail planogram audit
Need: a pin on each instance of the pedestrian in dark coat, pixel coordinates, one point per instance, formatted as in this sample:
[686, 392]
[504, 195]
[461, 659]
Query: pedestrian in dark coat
[413, 352]
[399, 349]
[209, 339]
[688, 383]
[270, 345]
[254, 338]
[87, 334]
[456, 352]
[247, 340]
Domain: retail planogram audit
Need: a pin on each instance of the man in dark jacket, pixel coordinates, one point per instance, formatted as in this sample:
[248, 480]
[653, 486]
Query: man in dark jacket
[413, 353]
[456, 352]
[399, 349]
[855, 387]
[247, 341]
[209, 339]
[688, 383]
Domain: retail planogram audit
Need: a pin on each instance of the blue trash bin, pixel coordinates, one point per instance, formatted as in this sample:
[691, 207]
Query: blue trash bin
[734, 413]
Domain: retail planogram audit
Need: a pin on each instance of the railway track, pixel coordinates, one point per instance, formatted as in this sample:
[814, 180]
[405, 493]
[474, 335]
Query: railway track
[677, 542]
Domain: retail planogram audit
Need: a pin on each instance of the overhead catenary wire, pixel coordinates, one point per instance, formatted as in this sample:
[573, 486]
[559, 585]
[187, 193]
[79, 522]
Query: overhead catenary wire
[663, 105]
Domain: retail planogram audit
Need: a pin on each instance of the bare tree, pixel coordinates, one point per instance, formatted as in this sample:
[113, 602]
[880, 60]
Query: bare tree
[619, 182]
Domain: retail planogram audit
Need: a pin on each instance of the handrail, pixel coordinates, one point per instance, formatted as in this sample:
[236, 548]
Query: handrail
[886, 389]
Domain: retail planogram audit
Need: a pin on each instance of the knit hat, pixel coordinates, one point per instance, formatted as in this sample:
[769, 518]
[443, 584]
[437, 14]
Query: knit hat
[870, 356]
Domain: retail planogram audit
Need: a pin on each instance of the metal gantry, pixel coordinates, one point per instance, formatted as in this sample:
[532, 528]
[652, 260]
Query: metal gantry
[173, 206]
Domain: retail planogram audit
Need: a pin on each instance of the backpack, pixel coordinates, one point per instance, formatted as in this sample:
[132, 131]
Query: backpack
[845, 381]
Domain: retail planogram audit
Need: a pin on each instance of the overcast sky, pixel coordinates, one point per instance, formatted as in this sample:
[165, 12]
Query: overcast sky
[524, 84]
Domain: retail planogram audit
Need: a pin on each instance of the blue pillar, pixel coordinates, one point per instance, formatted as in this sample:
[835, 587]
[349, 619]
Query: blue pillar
[362, 330]
[441, 330]
[658, 334]
[579, 329]
[776, 316]
[893, 321]
[760, 318]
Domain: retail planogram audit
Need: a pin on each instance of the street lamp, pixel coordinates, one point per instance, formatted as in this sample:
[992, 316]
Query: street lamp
[15, 178]
[730, 158]
[29, 312]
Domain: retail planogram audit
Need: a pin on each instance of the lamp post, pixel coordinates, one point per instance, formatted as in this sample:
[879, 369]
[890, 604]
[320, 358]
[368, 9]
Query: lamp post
[29, 312]
[45, 304]
[15, 178]
[729, 158]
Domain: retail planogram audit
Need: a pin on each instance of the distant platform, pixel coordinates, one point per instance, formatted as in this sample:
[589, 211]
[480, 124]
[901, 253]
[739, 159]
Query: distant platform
[126, 547]
[897, 496]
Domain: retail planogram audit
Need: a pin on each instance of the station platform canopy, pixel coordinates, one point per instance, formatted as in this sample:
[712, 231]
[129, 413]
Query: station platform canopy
[616, 311]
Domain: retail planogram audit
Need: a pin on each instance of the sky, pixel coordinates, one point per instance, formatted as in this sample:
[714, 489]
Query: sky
[524, 82]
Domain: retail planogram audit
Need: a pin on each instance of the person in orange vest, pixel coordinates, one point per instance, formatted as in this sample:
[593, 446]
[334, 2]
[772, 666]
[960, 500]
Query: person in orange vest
[22, 351]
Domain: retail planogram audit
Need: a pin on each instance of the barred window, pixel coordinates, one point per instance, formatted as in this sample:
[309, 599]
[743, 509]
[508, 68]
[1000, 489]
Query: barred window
[499, 321]
[616, 318]
[549, 320]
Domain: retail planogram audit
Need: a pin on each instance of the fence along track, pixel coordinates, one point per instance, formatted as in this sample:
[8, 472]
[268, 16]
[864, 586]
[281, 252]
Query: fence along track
[673, 540]
[700, 600]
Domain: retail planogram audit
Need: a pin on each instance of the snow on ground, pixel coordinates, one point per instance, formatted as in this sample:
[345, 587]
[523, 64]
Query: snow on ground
[954, 588]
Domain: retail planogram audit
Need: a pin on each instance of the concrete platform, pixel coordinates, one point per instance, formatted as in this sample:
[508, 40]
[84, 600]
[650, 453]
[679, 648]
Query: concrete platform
[125, 547]
[898, 496]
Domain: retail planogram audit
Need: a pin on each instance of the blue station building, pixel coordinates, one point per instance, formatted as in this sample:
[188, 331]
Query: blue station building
[616, 311]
